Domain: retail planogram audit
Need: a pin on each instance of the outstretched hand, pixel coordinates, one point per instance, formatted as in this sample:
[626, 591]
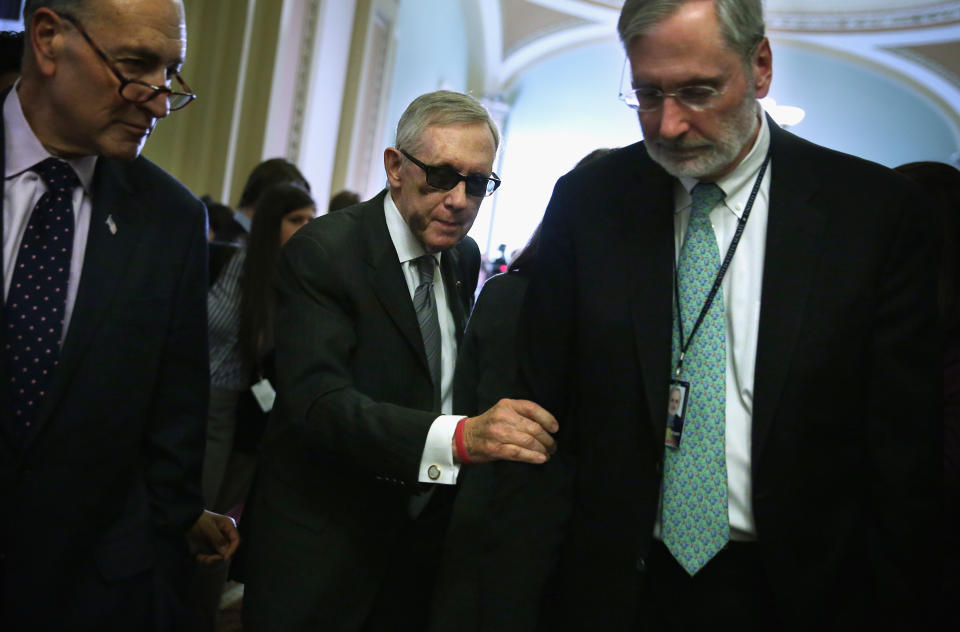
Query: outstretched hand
[512, 430]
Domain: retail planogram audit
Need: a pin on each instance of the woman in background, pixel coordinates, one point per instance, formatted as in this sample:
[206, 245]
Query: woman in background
[240, 309]
[280, 211]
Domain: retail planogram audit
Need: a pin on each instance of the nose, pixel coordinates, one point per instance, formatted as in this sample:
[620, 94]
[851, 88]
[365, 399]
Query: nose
[157, 106]
[673, 119]
[456, 198]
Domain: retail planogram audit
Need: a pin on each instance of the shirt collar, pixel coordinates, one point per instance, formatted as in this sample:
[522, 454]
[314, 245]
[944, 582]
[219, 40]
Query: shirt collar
[738, 184]
[22, 148]
[407, 245]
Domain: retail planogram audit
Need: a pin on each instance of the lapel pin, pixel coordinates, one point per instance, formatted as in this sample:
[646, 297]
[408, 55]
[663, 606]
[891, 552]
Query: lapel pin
[112, 225]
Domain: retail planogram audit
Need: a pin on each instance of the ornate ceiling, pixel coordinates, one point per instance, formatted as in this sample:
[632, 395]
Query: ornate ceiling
[913, 40]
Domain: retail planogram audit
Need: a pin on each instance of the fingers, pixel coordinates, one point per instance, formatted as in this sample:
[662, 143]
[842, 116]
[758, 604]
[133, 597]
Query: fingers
[514, 430]
[534, 412]
[231, 537]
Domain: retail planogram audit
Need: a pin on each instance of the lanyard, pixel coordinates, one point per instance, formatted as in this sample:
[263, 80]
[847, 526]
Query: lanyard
[720, 273]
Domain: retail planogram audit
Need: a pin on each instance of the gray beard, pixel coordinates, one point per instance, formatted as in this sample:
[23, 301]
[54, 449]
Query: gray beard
[713, 157]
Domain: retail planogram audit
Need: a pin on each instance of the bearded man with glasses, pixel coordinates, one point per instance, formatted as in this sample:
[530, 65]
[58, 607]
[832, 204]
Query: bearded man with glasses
[762, 275]
[363, 449]
[103, 368]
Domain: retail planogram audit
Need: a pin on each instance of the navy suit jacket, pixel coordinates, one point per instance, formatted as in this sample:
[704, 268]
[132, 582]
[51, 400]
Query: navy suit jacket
[95, 506]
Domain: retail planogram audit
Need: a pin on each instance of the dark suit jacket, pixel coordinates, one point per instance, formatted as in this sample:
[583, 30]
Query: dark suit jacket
[486, 372]
[96, 506]
[845, 470]
[343, 446]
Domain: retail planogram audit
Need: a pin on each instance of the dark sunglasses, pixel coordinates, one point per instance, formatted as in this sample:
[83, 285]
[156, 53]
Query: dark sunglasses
[445, 178]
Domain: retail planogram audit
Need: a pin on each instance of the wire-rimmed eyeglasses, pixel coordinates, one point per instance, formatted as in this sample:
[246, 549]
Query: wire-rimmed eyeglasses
[136, 90]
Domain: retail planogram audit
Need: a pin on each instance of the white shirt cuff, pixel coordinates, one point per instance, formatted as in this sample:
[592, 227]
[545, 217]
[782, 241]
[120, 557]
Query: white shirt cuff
[436, 464]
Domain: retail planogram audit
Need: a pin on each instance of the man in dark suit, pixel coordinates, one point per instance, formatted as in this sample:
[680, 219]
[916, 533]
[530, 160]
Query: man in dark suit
[103, 379]
[784, 506]
[351, 502]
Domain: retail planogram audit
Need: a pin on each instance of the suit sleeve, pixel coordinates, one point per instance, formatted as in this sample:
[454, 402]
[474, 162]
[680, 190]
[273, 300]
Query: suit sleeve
[174, 442]
[904, 390]
[317, 337]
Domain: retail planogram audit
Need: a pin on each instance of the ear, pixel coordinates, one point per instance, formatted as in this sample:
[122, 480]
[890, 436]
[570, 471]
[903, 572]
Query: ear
[392, 163]
[762, 68]
[46, 40]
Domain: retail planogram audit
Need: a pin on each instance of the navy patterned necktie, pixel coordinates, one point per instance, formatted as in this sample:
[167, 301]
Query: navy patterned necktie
[38, 294]
[425, 303]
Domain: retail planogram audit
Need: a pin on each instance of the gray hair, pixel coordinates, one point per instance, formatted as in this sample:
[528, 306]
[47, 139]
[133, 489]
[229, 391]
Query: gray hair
[741, 21]
[73, 7]
[442, 107]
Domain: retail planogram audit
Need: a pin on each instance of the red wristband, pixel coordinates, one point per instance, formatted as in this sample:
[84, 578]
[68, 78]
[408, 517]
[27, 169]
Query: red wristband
[461, 445]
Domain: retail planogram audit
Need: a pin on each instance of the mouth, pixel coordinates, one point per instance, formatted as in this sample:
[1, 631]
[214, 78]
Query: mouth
[138, 130]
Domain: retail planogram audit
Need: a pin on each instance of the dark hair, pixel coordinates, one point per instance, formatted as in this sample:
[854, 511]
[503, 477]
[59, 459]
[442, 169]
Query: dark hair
[343, 199]
[217, 214]
[524, 261]
[741, 22]
[942, 184]
[11, 51]
[269, 172]
[263, 249]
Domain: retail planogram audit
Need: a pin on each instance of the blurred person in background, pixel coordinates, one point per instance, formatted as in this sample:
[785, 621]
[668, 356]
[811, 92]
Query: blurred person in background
[342, 200]
[11, 53]
[241, 308]
[269, 172]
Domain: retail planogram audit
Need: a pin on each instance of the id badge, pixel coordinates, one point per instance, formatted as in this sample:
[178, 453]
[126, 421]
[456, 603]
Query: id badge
[264, 394]
[676, 411]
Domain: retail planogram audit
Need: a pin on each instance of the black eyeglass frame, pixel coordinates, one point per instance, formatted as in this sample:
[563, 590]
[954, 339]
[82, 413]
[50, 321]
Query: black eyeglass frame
[488, 186]
[172, 103]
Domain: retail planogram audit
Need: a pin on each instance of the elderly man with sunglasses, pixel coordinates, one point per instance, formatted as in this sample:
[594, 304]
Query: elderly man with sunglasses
[103, 370]
[363, 449]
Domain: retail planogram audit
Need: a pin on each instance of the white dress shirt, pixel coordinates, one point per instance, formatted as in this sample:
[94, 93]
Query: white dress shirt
[741, 301]
[22, 189]
[438, 451]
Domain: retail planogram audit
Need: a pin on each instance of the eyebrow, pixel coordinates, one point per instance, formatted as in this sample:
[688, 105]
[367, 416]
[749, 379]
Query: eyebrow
[694, 81]
[149, 55]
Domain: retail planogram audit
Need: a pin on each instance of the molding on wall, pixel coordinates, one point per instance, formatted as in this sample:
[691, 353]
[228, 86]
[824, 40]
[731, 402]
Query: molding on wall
[308, 40]
[856, 21]
[231, 153]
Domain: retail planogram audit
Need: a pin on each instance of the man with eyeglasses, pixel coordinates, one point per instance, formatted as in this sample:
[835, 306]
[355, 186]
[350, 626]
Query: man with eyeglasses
[360, 457]
[762, 275]
[103, 368]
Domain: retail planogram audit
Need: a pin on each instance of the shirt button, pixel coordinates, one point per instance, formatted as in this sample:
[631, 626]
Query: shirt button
[433, 472]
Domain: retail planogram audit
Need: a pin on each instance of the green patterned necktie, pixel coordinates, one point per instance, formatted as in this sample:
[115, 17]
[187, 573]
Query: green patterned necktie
[695, 519]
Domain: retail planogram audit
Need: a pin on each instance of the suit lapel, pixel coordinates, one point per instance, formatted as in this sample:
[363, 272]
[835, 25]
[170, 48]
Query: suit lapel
[453, 285]
[105, 261]
[4, 378]
[794, 226]
[648, 258]
[387, 278]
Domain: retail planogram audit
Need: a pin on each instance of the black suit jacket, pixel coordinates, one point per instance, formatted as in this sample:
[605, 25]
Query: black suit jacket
[343, 446]
[844, 460]
[96, 505]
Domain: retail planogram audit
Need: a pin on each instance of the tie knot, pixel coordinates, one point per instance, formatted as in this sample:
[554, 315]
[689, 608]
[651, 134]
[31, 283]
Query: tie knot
[425, 266]
[706, 196]
[57, 174]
